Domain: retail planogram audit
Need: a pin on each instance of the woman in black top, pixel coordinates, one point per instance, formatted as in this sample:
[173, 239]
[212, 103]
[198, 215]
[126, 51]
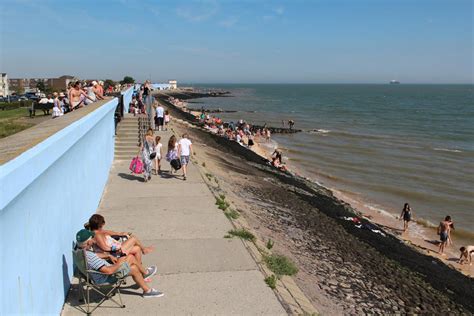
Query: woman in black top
[406, 215]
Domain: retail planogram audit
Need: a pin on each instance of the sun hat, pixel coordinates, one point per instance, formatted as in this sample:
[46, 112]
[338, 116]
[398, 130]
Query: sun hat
[94, 83]
[83, 235]
[61, 94]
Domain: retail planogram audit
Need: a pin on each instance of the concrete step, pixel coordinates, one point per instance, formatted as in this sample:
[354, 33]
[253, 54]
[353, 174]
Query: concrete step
[126, 149]
[131, 153]
[124, 136]
[127, 132]
[126, 143]
[127, 135]
[128, 128]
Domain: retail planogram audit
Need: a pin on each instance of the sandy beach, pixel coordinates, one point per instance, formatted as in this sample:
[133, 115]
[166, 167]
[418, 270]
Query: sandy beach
[343, 269]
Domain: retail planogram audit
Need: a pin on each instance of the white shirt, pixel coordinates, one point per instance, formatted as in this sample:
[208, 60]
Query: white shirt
[158, 150]
[159, 111]
[185, 146]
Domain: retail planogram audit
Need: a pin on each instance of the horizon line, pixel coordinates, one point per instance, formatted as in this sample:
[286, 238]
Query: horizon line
[331, 83]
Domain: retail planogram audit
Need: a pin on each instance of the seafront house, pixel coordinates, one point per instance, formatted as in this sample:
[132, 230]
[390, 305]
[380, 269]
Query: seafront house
[173, 84]
[4, 86]
[31, 84]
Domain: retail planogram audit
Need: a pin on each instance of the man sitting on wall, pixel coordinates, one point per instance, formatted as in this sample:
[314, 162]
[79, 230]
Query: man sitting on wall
[127, 265]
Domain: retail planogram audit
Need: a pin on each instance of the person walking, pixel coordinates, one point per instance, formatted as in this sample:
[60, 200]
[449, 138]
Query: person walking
[444, 229]
[158, 156]
[167, 120]
[160, 113]
[406, 215]
[148, 154]
[185, 149]
[291, 123]
[172, 152]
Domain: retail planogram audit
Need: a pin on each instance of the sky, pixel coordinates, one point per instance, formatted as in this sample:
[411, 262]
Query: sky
[224, 41]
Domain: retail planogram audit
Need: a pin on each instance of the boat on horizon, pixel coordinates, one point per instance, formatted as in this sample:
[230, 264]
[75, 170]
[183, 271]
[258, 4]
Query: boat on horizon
[394, 82]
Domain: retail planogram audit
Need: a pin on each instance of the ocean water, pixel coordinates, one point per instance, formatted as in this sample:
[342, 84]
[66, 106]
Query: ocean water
[386, 144]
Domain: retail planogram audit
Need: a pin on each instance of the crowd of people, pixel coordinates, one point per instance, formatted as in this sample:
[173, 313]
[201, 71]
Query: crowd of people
[151, 153]
[242, 132]
[77, 95]
[144, 103]
[109, 253]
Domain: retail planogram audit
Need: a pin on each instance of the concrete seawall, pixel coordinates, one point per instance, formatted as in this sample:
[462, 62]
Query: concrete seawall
[127, 98]
[48, 190]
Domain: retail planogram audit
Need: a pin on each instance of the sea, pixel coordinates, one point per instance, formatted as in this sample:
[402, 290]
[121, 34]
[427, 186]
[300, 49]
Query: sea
[386, 144]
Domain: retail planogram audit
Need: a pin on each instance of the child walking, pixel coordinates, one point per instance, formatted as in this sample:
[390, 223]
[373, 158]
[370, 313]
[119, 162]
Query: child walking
[167, 120]
[185, 149]
[158, 156]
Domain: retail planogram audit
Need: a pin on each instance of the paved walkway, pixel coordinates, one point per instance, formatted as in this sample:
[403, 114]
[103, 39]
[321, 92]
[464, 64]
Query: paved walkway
[200, 272]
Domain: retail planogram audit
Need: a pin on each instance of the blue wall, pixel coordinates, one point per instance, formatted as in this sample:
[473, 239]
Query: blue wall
[47, 193]
[127, 98]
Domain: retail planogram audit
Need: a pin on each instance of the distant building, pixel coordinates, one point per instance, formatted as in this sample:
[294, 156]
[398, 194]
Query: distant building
[30, 84]
[173, 84]
[4, 86]
[62, 82]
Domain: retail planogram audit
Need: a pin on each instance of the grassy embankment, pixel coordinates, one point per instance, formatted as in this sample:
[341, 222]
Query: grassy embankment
[14, 120]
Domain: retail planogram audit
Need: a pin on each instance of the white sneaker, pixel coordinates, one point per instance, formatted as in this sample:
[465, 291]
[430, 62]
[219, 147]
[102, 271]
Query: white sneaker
[153, 293]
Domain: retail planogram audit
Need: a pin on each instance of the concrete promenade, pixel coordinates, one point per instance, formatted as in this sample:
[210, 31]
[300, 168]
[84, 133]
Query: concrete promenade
[200, 271]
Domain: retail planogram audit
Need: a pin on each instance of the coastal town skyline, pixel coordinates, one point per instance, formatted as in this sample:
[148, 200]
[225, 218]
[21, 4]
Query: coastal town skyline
[236, 42]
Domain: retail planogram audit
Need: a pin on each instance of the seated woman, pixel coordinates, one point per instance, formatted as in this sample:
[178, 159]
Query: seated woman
[105, 242]
[276, 163]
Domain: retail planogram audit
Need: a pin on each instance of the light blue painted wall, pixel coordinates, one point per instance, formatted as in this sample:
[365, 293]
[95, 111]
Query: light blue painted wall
[127, 98]
[47, 193]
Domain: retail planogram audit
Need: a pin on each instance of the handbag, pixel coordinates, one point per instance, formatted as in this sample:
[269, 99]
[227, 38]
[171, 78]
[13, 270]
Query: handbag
[136, 166]
[176, 164]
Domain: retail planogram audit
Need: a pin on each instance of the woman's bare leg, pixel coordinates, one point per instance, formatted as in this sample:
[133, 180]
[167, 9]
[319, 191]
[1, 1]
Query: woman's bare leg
[133, 241]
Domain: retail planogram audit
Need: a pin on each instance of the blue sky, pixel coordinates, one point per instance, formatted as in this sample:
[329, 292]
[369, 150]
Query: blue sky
[320, 41]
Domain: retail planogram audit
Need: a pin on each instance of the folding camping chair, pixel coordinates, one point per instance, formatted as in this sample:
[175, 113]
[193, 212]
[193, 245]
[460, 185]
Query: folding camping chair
[86, 283]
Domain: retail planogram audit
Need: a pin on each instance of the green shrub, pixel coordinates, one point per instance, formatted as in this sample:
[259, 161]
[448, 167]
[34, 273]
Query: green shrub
[270, 244]
[231, 214]
[271, 281]
[242, 233]
[280, 265]
[221, 203]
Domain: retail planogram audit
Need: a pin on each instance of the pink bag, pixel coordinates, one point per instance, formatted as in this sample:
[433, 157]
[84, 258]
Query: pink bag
[136, 166]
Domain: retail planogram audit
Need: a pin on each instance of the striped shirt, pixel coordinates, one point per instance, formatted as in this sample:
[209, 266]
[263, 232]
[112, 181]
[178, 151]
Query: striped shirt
[95, 263]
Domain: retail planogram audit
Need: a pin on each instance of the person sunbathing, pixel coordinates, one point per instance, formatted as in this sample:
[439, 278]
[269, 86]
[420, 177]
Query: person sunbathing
[276, 163]
[466, 254]
[106, 243]
[127, 265]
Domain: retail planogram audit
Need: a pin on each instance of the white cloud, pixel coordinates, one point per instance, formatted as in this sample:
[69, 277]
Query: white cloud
[155, 11]
[279, 10]
[198, 11]
[229, 22]
[267, 18]
[275, 13]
